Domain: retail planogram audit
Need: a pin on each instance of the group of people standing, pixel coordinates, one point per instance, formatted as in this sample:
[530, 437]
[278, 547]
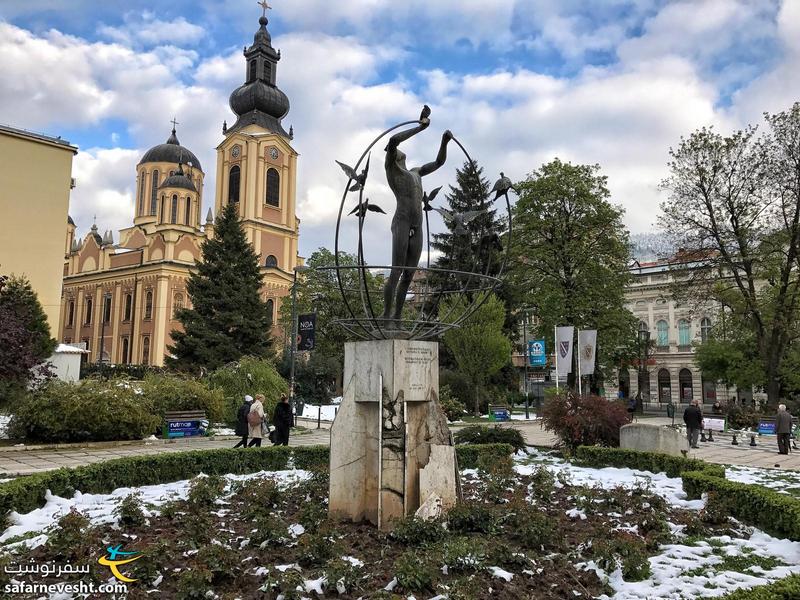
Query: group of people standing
[252, 422]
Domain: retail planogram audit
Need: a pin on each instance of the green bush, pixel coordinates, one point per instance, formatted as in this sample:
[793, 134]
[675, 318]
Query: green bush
[452, 407]
[469, 455]
[248, 376]
[92, 410]
[624, 551]
[413, 531]
[414, 573]
[166, 393]
[473, 517]
[777, 514]
[783, 589]
[481, 434]
[673, 466]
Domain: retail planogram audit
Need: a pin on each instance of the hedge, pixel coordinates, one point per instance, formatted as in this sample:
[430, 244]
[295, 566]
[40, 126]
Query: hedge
[787, 588]
[777, 514]
[27, 493]
[673, 466]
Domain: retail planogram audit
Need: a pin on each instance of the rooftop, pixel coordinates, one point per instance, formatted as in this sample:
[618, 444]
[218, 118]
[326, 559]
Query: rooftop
[39, 137]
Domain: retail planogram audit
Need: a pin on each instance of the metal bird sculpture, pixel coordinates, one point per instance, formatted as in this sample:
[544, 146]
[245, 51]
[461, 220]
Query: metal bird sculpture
[360, 180]
[361, 209]
[502, 186]
[428, 198]
[458, 221]
[424, 117]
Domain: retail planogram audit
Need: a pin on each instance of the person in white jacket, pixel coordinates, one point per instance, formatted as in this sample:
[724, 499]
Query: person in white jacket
[254, 420]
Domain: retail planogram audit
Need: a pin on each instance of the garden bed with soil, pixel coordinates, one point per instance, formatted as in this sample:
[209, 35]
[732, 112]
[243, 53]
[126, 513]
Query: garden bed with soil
[532, 527]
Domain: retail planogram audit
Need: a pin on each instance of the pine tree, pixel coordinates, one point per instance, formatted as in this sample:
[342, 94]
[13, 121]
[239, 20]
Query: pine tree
[228, 318]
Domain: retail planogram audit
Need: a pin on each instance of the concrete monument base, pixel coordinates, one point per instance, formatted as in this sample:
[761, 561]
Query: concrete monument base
[653, 438]
[390, 446]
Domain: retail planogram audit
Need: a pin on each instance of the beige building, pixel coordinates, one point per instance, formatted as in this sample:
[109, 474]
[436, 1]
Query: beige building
[121, 298]
[36, 176]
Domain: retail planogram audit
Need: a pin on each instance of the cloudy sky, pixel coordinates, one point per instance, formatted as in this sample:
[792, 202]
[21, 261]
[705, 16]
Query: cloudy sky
[613, 82]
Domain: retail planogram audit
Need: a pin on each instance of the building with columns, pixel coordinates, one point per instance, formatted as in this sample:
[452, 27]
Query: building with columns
[120, 299]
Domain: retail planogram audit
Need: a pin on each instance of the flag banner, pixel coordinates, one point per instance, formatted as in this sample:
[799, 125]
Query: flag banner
[306, 332]
[537, 356]
[564, 338]
[587, 348]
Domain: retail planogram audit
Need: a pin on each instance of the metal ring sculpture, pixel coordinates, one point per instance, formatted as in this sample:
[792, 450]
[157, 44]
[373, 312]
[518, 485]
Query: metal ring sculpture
[428, 323]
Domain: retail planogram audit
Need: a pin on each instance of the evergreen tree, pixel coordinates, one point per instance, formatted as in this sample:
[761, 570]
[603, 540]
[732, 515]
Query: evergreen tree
[228, 318]
[23, 329]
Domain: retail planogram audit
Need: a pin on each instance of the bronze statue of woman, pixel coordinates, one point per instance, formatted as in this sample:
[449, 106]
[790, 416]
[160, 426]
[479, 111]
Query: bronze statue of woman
[406, 184]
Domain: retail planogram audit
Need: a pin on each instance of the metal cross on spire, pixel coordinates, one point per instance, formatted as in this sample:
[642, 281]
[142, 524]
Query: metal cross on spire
[264, 6]
[174, 122]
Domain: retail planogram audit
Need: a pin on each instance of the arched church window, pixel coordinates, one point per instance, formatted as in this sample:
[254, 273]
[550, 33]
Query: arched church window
[177, 304]
[146, 350]
[174, 213]
[252, 74]
[88, 319]
[148, 304]
[271, 261]
[705, 329]
[125, 348]
[71, 313]
[273, 187]
[128, 307]
[271, 311]
[267, 71]
[188, 213]
[154, 194]
[141, 193]
[233, 184]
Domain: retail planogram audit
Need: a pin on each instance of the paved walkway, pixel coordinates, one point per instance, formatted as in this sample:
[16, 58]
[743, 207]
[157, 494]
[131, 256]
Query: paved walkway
[15, 461]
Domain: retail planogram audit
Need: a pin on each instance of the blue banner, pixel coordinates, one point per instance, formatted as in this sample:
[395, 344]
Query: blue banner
[537, 355]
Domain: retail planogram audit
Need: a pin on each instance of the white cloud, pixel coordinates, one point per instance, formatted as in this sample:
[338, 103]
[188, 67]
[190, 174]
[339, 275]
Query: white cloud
[148, 30]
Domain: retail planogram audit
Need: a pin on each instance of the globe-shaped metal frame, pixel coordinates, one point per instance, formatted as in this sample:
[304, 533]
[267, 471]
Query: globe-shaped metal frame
[366, 324]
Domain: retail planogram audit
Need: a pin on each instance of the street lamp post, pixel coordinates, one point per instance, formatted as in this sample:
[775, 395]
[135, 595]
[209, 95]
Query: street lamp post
[644, 342]
[527, 359]
[297, 269]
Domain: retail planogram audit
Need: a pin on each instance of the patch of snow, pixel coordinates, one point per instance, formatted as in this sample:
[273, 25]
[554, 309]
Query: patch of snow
[521, 417]
[391, 585]
[353, 561]
[315, 585]
[284, 568]
[501, 574]
[575, 513]
[4, 421]
[222, 429]
[296, 530]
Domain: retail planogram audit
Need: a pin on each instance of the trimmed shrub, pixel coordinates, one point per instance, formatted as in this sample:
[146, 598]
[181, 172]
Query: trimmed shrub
[777, 514]
[413, 531]
[584, 420]
[469, 455]
[481, 434]
[311, 458]
[168, 393]
[414, 573]
[743, 417]
[673, 466]
[783, 589]
[92, 410]
[452, 407]
[248, 376]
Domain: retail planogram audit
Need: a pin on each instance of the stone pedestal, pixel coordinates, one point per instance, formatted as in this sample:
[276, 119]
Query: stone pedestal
[653, 438]
[390, 445]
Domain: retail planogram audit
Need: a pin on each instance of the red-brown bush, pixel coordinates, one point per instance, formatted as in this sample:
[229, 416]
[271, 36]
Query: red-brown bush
[584, 420]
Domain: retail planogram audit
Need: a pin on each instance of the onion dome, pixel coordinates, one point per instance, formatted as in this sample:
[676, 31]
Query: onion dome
[171, 152]
[178, 180]
[97, 237]
[259, 100]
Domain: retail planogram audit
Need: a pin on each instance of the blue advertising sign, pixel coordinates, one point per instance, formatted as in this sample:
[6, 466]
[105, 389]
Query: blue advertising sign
[537, 356]
[766, 427]
[184, 428]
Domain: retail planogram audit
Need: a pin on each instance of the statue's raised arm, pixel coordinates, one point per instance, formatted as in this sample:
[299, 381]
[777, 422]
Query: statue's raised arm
[430, 167]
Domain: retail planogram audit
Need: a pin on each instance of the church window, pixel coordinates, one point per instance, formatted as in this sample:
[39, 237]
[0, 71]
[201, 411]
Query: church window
[188, 212]
[705, 329]
[233, 184]
[174, 213]
[71, 313]
[662, 331]
[125, 350]
[273, 187]
[154, 194]
[146, 350]
[270, 311]
[177, 304]
[252, 76]
[271, 261]
[106, 308]
[128, 307]
[88, 319]
[267, 71]
[684, 333]
[148, 304]
[141, 193]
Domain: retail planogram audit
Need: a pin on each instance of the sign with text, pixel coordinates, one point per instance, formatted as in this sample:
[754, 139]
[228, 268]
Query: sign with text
[306, 332]
[766, 427]
[537, 356]
[714, 423]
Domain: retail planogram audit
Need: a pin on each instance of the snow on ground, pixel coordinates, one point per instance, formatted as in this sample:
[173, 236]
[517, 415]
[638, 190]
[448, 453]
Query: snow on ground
[222, 429]
[521, 417]
[99, 508]
[690, 571]
[310, 411]
[4, 421]
[787, 482]
[669, 488]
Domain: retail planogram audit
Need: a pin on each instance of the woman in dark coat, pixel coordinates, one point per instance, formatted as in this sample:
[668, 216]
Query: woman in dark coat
[241, 421]
[282, 419]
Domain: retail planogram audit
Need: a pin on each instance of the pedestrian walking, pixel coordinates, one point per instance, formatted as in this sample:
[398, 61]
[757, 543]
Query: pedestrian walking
[783, 427]
[254, 420]
[693, 417]
[241, 421]
[631, 408]
[282, 419]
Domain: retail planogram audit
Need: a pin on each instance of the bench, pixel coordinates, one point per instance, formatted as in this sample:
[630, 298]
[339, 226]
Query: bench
[499, 412]
[184, 423]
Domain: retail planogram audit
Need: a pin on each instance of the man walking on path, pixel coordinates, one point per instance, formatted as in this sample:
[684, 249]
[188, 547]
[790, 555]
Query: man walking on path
[241, 421]
[693, 417]
[783, 427]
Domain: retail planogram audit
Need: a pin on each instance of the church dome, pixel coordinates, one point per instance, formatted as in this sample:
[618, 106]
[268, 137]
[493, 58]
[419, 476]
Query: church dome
[171, 152]
[178, 180]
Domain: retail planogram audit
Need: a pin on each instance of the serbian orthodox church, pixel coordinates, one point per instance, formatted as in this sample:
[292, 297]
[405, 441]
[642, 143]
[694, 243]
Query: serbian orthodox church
[120, 297]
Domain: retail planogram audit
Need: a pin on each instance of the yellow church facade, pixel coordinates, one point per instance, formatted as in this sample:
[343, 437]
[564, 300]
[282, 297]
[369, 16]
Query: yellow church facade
[120, 299]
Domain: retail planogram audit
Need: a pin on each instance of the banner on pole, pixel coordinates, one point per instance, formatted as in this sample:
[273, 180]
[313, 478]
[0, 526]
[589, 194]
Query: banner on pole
[306, 332]
[564, 342]
[587, 349]
[537, 356]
